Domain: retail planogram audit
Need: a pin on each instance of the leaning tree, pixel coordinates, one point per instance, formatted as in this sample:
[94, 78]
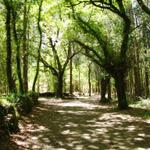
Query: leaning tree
[114, 64]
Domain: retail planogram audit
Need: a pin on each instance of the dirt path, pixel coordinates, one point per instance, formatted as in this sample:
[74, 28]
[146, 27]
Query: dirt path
[81, 125]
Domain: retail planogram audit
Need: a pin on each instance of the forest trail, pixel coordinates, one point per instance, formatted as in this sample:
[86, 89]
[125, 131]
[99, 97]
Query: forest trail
[81, 124]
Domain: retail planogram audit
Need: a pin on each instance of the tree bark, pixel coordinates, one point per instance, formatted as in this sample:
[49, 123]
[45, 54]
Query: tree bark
[10, 81]
[104, 88]
[16, 39]
[146, 70]
[59, 88]
[109, 90]
[121, 91]
[39, 49]
[146, 83]
[25, 50]
[71, 85]
[79, 80]
[137, 76]
[89, 79]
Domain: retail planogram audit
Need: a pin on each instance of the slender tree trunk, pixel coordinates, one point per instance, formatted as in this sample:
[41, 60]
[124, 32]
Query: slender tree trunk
[137, 76]
[131, 83]
[10, 81]
[104, 86]
[89, 79]
[19, 70]
[103, 90]
[121, 91]
[146, 83]
[98, 86]
[109, 89]
[79, 81]
[146, 77]
[64, 84]
[59, 89]
[25, 51]
[17, 51]
[71, 85]
[137, 82]
[39, 49]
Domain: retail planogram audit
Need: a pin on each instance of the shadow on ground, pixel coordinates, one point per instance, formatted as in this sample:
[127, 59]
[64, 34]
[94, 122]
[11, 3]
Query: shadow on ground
[81, 125]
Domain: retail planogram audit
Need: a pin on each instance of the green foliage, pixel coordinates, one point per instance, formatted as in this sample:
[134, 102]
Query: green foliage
[34, 97]
[24, 104]
[12, 106]
[143, 104]
[9, 116]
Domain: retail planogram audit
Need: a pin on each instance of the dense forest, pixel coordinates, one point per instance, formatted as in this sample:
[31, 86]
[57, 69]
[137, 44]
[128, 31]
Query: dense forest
[92, 52]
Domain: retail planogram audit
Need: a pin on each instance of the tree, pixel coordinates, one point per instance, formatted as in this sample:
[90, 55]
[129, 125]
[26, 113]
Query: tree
[71, 77]
[139, 44]
[39, 48]
[116, 66]
[59, 70]
[17, 43]
[10, 80]
[89, 78]
[25, 49]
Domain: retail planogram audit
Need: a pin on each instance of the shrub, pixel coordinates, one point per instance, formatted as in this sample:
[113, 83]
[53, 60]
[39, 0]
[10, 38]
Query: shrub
[34, 97]
[10, 107]
[9, 117]
[24, 104]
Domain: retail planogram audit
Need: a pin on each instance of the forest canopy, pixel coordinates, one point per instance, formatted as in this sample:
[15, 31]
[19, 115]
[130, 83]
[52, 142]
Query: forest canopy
[45, 46]
[73, 51]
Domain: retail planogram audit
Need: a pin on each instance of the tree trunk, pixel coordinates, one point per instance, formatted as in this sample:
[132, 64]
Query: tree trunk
[17, 43]
[71, 85]
[137, 82]
[146, 83]
[137, 76]
[39, 48]
[79, 81]
[10, 81]
[19, 70]
[104, 84]
[59, 88]
[25, 51]
[89, 79]
[146, 70]
[109, 90]
[121, 91]
[131, 83]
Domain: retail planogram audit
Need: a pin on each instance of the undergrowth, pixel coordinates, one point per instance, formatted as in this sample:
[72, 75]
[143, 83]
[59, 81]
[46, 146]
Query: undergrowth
[144, 107]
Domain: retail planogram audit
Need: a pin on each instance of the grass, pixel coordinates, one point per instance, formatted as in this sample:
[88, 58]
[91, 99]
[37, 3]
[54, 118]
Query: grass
[143, 104]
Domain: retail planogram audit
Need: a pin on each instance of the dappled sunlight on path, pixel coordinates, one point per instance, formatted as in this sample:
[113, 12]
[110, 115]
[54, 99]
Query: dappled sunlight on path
[81, 125]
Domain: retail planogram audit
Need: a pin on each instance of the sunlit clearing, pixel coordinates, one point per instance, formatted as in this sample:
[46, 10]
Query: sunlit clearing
[78, 104]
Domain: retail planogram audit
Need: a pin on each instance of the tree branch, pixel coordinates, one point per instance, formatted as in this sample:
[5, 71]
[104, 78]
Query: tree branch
[89, 49]
[55, 53]
[53, 70]
[144, 7]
